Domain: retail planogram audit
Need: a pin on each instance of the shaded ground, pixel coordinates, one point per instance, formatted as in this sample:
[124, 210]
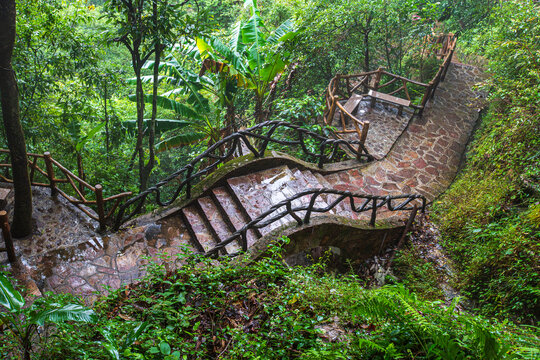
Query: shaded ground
[66, 255]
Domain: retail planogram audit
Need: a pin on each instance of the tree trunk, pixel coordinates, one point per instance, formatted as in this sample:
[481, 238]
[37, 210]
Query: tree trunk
[140, 126]
[22, 216]
[145, 176]
[259, 115]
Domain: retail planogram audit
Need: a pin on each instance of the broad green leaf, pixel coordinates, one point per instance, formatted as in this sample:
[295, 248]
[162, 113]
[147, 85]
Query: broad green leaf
[251, 33]
[180, 140]
[112, 350]
[269, 71]
[236, 38]
[285, 29]
[134, 334]
[10, 298]
[165, 348]
[56, 313]
[88, 136]
[170, 104]
[203, 47]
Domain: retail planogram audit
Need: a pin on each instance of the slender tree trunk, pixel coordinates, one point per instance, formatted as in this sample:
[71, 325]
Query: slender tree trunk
[367, 31]
[139, 151]
[259, 115]
[22, 216]
[106, 114]
[152, 126]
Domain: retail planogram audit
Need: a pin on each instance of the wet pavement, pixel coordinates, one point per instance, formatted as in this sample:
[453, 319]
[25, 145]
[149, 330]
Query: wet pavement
[65, 254]
[385, 126]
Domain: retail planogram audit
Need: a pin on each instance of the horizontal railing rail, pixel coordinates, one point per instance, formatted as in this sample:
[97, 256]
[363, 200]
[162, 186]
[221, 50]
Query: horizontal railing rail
[303, 213]
[262, 136]
[45, 171]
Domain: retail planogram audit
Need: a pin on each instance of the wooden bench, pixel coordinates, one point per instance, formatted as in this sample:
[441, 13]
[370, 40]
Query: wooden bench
[351, 104]
[390, 99]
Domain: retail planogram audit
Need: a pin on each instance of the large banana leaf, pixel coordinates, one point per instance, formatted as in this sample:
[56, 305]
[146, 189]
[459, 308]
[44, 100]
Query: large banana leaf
[275, 65]
[236, 39]
[179, 140]
[10, 298]
[252, 5]
[80, 144]
[56, 313]
[283, 33]
[170, 104]
[251, 34]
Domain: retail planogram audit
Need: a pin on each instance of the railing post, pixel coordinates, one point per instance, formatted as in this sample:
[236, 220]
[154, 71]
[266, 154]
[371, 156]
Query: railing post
[50, 172]
[365, 129]
[244, 242]
[332, 111]
[6, 233]
[321, 154]
[425, 98]
[188, 182]
[373, 213]
[100, 207]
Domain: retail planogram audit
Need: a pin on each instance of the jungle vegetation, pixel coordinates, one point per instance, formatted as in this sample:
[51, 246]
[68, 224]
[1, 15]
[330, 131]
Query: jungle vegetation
[131, 90]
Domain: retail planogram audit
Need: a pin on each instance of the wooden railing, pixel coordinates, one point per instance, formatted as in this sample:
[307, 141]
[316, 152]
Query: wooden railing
[43, 171]
[303, 212]
[415, 93]
[256, 140]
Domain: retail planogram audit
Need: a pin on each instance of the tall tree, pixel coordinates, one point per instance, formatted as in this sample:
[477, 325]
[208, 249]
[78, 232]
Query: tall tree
[22, 216]
[145, 27]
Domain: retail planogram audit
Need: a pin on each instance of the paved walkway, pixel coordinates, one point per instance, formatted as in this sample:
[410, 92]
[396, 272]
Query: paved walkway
[70, 257]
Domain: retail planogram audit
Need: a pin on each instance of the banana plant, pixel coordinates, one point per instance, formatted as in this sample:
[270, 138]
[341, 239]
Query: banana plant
[254, 56]
[23, 321]
[202, 119]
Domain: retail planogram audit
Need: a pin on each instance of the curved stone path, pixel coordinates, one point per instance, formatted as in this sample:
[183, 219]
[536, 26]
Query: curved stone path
[424, 159]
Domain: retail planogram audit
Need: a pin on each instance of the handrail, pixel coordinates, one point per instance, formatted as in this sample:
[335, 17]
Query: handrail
[95, 209]
[187, 176]
[366, 203]
[370, 80]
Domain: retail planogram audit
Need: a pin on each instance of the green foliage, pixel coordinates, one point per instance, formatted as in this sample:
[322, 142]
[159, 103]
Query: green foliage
[22, 321]
[489, 215]
[254, 57]
[417, 273]
[266, 310]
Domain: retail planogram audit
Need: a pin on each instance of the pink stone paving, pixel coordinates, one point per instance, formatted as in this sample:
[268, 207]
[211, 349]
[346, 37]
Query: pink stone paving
[424, 158]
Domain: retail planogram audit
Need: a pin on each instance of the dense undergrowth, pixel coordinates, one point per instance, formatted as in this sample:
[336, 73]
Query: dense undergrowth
[490, 217]
[266, 310]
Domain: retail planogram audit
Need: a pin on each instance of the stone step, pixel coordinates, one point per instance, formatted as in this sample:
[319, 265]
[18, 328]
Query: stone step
[197, 228]
[230, 210]
[219, 224]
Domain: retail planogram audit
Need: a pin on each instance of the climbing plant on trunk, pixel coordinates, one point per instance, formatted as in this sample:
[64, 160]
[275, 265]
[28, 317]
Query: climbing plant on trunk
[9, 92]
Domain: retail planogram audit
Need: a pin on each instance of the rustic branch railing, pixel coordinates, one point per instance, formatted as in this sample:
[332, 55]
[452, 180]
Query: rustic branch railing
[302, 213]
[43, 171]
[262, 135]
[346, 87]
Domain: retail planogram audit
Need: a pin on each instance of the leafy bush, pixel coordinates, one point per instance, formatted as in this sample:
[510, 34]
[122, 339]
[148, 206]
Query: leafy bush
[488, 215]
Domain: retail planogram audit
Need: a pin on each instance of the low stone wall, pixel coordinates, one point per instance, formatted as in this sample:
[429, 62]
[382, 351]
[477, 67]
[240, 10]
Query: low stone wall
[357, 239]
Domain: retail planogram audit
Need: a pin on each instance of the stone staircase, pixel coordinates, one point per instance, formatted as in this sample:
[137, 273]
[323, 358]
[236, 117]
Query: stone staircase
[214, 217]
